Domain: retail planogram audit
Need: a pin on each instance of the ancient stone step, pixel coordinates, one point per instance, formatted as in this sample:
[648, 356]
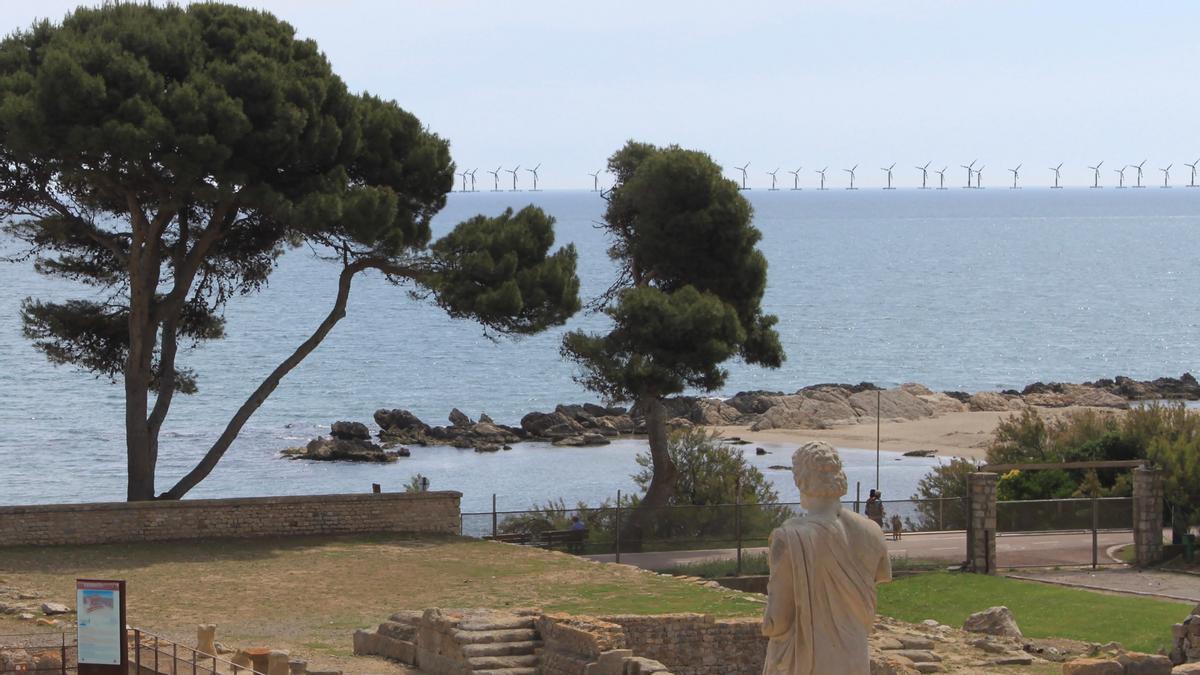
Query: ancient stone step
[499, 662]
[507, 671]
[496, 622]
[501, 648]
[469, 637]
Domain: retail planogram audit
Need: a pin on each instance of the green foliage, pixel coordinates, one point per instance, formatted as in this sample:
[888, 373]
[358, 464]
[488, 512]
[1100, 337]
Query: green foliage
[499, 271]
[711, 476]
[710, 472]
[168, 155]
[414, 483]
[1043, 484]
[940, 497]
[691, 280]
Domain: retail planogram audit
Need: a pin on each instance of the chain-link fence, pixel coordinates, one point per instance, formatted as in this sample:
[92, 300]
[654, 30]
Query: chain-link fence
[618, 528]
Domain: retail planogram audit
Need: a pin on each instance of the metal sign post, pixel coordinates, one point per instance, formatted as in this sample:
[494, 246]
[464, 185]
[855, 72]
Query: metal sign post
[103, 643]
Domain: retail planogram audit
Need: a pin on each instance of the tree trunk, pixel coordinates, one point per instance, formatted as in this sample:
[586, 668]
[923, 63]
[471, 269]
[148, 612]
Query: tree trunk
[662, 483]
[259, 396]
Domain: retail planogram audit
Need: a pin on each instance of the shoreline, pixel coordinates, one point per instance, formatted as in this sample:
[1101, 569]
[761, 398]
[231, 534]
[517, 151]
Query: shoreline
[952, 434]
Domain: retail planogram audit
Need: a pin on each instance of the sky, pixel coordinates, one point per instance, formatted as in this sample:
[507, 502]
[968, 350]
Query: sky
[776, 84]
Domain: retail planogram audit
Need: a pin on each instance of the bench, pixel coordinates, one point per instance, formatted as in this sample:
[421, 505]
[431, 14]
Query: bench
[524, 538]
[573, 539]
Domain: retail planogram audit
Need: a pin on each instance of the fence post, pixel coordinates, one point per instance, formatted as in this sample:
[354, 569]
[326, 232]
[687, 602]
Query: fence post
[493, 514]
[1095, 532]
[174, 657]
[737, 523]
[137, 648]
[857, 494]
[156, 648]
[63, 663]
[618, 526]
[941, 515]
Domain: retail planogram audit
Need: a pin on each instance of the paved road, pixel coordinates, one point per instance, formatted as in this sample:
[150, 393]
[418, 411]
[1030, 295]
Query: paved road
[1014, 550]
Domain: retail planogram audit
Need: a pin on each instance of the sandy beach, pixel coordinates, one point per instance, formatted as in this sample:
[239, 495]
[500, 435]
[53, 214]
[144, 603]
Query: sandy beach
[959, 434]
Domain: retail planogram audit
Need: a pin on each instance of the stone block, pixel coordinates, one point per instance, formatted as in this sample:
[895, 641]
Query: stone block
[1092, 667]
[1136, 663]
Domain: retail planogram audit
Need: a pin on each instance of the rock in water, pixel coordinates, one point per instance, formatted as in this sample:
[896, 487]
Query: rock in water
[398, 420]
[350, 431]
[993, 621]
[459, 418]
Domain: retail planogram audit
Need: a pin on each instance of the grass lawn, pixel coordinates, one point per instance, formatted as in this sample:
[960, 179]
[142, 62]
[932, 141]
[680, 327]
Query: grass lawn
[309, 594]
[1041, 610]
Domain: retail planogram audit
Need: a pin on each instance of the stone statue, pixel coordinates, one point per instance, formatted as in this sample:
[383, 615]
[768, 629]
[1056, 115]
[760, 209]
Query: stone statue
[824, 567]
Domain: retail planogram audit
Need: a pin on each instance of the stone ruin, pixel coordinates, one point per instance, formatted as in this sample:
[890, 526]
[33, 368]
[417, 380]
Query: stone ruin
[1185, 640]
[532, 642]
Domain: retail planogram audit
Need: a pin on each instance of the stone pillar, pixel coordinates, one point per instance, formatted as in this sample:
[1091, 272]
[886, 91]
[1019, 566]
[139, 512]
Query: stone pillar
[206, 638]
[981, 522]
[1147, 515]
[277, 663]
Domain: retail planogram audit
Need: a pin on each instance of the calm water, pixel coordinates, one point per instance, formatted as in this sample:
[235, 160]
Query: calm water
[957, 289]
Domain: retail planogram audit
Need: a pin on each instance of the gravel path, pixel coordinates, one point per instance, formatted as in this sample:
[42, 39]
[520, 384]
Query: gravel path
[1154, 583]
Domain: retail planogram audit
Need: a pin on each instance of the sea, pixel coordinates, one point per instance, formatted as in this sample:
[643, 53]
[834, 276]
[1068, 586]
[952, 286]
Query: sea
[963, 290]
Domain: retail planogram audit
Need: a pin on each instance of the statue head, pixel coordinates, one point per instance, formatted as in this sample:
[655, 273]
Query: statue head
[817, 470]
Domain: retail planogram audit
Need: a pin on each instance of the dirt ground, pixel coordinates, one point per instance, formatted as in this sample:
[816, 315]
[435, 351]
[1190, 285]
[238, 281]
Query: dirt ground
[308, 595]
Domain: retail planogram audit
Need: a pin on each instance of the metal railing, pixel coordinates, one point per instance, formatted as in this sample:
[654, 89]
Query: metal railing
[1083, 515]
[37, 653]
[154, 652]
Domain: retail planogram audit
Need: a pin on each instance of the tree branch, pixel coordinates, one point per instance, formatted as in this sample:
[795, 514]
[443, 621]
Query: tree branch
[259, 396]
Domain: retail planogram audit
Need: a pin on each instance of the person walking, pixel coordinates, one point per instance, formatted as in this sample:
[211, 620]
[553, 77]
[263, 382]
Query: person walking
[874, 507]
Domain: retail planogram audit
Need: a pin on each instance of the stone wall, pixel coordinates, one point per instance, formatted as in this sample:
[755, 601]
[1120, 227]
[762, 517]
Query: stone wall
[981, 522]
[570, 644]
[696, 644]
[1147, 515]
[126, 522]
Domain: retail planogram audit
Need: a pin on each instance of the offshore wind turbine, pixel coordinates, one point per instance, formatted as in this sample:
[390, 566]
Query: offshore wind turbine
[1192, 166]
[822, 172]
[1167, 175]
[1121, 177]
[924, 174]
[743, 170]
[795, 178]
[1057, 174]
[772, 175]
[979, 178]
[1139, 175]
[535, 176]
[851, 172]
[464, 181]
[970, 170]
[471, 173]
[941, 177]
[889, 178]
[514, 175]
[1016, 174]
[1096, 172]
[595, 181]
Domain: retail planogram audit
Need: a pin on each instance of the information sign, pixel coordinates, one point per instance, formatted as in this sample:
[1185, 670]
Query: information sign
[100, 610]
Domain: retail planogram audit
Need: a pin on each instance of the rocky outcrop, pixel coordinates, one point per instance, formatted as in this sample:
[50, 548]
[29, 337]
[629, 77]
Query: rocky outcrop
[990, 401]
[1059, 395]
[402, 426]
[1184, 387]
[347, 442]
